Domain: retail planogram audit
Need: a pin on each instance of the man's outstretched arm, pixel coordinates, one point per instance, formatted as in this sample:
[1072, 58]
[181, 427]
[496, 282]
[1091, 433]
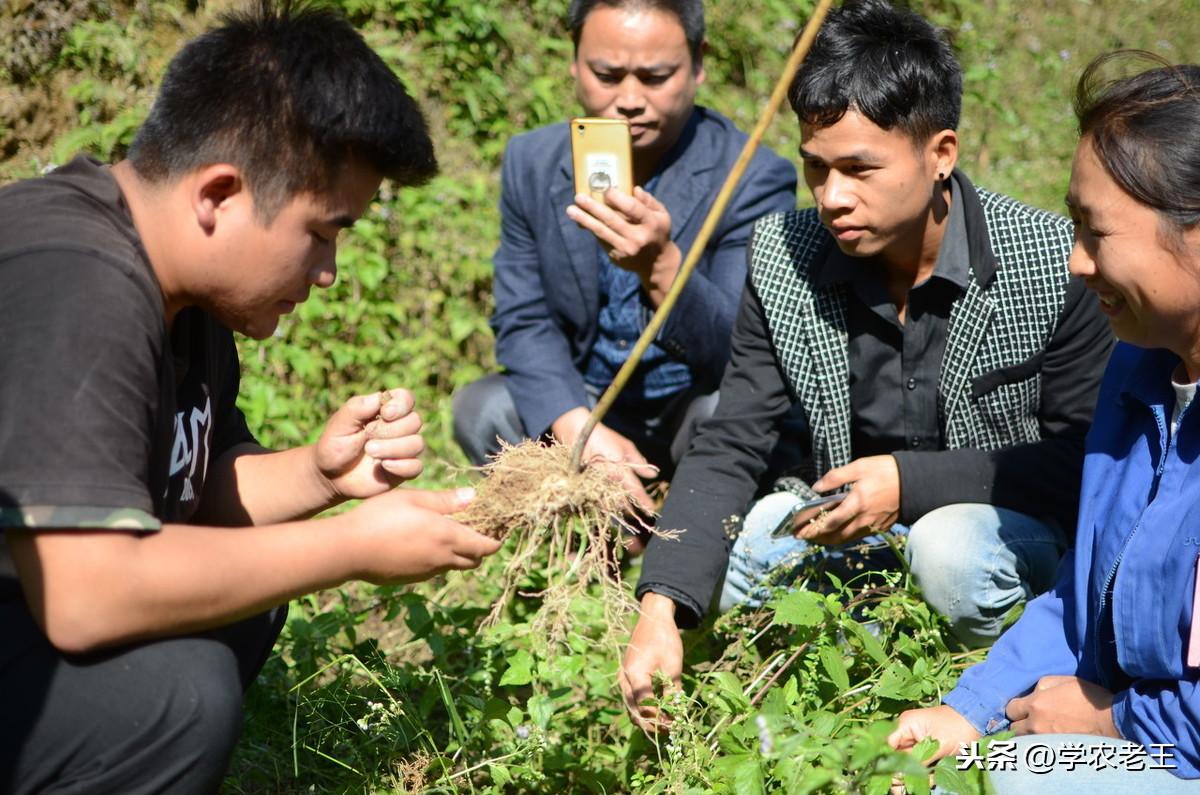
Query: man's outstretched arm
[91, 588]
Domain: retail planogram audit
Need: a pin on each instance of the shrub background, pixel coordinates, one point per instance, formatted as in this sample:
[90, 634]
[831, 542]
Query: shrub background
[410, 308]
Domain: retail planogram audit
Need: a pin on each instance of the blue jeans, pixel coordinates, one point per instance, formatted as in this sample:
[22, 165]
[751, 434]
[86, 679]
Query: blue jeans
[1069, 764]
[973, 562]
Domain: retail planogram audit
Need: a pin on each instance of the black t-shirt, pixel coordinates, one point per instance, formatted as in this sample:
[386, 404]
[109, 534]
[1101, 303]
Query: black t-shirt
[107, 420]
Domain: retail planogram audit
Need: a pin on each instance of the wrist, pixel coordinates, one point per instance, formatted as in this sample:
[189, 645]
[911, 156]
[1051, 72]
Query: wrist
[325, 490]
[658, 607]
[352, 548]
[657, 280]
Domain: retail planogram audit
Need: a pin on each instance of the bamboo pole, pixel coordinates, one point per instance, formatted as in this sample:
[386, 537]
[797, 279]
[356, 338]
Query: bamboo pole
[710, 223]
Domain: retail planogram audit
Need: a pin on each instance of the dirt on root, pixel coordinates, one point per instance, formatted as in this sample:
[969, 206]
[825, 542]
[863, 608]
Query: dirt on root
[532, 485]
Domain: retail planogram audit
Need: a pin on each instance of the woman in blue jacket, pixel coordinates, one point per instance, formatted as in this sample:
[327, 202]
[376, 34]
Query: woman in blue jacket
[1099, 678]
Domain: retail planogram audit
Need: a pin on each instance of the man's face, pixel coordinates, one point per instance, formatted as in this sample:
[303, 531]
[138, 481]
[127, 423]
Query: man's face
[635, 65]
[260, 272]
[873, 187]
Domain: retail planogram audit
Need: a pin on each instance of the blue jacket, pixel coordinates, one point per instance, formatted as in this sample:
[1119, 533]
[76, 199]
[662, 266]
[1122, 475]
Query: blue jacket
[547, 269]
[1139, 507]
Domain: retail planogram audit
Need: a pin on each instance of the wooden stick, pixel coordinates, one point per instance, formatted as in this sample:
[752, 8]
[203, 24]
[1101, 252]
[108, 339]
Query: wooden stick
[710, 223]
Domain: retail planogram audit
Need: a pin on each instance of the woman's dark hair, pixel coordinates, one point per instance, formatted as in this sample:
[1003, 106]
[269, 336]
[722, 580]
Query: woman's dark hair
[690, 14]
[1145, 130]
[889, 64]
[288, 93]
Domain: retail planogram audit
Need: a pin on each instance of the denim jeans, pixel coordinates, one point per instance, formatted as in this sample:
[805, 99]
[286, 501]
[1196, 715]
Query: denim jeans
[973, 562]
[1069, 764]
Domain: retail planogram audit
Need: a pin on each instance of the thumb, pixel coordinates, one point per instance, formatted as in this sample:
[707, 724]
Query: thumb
[354, 414]
[443, 502]
[902, 738]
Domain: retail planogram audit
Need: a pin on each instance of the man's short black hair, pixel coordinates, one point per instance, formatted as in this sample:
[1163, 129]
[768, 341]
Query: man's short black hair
[288, 93]
[690, 14]
[889, 64]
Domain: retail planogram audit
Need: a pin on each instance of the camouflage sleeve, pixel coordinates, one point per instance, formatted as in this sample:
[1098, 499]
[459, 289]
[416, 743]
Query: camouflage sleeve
[49, 517]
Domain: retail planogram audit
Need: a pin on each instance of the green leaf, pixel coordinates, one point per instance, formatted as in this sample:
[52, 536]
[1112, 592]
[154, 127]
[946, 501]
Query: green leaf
[731, 688]
[961, 782]
[742, 771]
[916, 785]
[460, 731]
[501, 776]
[835, 666]
[870, 643]
[798, 609]
[520, 669]
[541, 710]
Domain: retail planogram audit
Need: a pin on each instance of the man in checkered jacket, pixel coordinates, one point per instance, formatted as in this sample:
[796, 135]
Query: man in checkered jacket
[919, 338]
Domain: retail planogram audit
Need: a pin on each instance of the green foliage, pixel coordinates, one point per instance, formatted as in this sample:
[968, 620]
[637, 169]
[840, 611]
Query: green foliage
[797, 700]
[395, 689]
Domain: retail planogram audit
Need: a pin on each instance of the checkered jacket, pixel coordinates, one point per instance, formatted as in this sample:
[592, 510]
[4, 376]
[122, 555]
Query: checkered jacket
[989, 385]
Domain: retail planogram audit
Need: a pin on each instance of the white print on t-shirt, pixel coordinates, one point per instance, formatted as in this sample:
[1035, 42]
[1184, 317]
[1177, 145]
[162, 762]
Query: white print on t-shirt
[191, 446]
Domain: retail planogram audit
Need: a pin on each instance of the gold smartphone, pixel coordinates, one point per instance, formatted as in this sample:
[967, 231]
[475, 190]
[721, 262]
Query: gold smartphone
[602, 152]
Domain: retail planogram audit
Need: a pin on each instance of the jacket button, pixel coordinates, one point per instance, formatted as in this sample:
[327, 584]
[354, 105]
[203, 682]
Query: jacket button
[915, 443]
[911, 384]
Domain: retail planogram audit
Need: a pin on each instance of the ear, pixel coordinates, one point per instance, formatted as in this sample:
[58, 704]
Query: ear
[942, 152]
[216, 189]
[698, 66]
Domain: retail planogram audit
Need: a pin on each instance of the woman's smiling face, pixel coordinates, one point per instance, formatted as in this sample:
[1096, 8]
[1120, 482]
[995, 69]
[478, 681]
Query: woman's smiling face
[1148, 280]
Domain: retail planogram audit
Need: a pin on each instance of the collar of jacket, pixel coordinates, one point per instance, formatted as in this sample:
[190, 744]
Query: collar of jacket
[1149, 380]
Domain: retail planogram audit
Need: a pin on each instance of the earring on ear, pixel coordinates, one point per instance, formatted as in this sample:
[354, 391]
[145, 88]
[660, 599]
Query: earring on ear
[941, 175]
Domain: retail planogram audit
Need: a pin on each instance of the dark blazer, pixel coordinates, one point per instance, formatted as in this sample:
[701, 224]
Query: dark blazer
[547, 267]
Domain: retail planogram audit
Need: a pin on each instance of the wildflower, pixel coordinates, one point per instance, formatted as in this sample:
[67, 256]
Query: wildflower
[363, 723]
[765, 742]
[523, 732]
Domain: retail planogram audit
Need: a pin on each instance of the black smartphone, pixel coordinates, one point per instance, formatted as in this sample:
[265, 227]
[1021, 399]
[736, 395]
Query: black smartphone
[785, 526]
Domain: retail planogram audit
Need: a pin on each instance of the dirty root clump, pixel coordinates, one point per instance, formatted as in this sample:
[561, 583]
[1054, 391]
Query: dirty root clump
[565, 528]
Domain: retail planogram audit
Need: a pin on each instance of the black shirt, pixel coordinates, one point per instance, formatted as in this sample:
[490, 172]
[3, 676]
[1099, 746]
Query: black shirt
[106, 419]
[894, 366]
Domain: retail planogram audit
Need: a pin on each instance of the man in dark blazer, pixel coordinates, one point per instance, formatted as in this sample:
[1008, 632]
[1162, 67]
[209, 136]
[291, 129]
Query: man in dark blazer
[576, 280]
[943, 359]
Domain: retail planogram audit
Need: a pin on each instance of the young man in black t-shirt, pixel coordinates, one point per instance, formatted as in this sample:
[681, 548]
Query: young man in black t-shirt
[148, 541]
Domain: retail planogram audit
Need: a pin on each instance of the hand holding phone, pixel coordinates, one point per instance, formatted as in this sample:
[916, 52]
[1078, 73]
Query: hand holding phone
[601, 150]
[786, 526]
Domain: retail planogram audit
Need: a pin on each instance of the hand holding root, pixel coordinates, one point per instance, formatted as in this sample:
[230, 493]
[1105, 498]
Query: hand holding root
[410, 536]
[619, 456]
[565, 520]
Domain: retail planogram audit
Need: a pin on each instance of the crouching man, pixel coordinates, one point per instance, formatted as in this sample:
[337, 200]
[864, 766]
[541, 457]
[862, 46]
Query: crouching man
[149, 544]
[943, 358]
